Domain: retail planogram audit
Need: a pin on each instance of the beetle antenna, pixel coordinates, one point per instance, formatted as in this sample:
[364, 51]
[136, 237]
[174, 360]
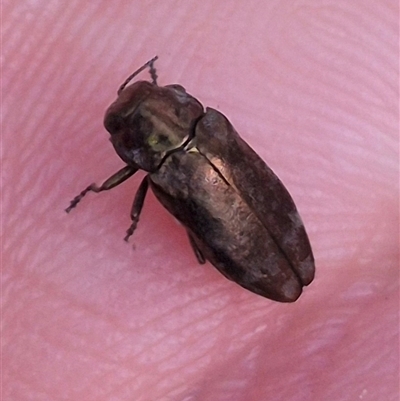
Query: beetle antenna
[153, 74]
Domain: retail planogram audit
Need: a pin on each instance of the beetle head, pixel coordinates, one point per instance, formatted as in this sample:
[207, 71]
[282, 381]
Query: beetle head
[147, 121]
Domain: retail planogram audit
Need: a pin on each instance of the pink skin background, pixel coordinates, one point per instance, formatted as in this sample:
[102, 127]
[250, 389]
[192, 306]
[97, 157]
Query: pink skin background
[312, 86]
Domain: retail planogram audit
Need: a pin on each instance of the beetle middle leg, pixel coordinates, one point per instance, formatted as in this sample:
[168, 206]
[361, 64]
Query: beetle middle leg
[118, 178]
[199, 255]
[137, 206]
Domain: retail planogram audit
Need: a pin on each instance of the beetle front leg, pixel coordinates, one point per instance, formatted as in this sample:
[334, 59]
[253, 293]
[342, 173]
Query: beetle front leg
[116, 179]
[137, 206]
[199, 255]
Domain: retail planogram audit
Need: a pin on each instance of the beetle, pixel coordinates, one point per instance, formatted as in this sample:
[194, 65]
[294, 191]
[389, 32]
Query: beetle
[236, 211]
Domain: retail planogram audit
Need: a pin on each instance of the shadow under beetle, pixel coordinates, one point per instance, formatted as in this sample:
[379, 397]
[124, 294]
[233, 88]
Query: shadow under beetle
[237, 213]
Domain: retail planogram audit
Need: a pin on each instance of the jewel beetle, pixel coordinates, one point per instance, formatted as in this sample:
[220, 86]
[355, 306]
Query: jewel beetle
[236, 211]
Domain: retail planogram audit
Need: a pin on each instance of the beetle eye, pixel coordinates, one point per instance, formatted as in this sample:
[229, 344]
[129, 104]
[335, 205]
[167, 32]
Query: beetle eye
[113, 123]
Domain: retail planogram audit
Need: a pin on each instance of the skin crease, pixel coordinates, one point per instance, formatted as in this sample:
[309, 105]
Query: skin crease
[312, 87]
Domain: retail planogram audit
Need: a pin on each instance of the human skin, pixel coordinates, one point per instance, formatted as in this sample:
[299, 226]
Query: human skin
[313, 88]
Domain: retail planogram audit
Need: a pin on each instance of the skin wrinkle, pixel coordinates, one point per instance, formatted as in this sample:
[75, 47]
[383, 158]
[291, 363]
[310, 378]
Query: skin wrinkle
[313, 89]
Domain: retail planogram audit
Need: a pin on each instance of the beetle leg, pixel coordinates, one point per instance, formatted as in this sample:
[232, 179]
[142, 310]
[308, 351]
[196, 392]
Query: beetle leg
[137, 206]
[116, 179]
[199, 255]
